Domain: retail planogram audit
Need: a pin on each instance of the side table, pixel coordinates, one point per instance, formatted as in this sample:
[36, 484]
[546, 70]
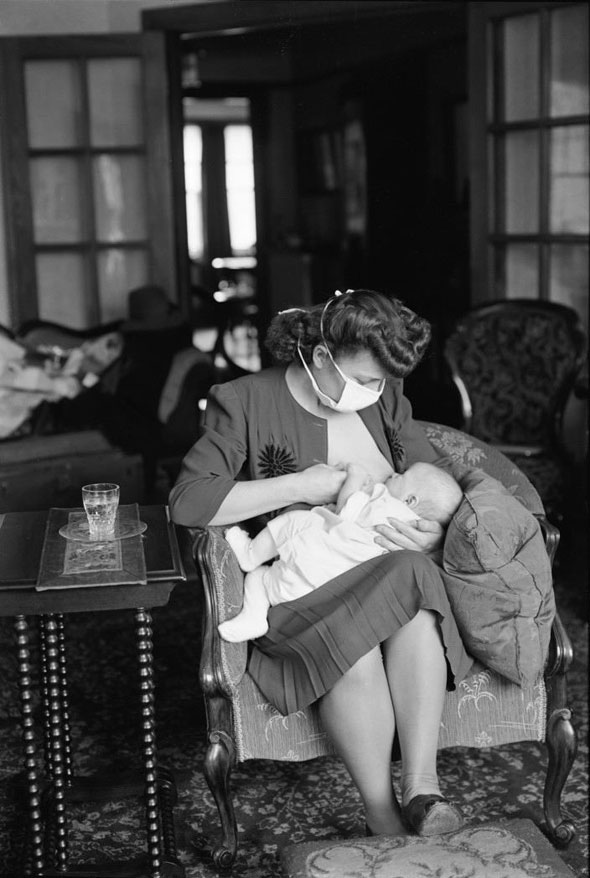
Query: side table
[46, 856]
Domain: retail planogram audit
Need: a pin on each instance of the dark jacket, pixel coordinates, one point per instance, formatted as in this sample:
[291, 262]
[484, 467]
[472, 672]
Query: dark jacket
[255, 429]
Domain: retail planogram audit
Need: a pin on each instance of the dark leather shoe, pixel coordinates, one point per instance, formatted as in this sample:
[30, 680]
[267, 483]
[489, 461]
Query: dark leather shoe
[430, 814]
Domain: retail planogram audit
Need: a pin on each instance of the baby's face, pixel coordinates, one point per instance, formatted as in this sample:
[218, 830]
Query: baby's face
[401, 485]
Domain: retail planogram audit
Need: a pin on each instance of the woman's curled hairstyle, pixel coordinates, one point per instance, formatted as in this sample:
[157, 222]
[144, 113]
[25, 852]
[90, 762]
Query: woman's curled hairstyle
[352, 322]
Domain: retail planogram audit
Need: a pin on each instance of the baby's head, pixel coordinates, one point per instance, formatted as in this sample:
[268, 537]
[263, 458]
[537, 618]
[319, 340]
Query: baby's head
[429, 491]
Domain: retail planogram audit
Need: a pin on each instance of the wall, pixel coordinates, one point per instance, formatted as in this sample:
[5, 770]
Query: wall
[39, 17]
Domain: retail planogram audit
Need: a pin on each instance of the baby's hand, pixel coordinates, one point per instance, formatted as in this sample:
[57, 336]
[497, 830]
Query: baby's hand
[355, 469]
[368, 484]
[355, 480]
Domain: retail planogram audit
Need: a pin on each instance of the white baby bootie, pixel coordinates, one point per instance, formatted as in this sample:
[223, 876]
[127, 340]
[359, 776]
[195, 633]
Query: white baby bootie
[240, 543]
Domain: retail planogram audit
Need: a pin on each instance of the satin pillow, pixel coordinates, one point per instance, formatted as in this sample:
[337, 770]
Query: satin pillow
[498, 579]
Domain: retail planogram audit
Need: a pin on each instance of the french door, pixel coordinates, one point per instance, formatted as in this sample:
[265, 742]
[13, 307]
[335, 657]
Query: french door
[87, 175]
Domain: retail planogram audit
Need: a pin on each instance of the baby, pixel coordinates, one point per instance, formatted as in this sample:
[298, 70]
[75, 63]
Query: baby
[315, 545]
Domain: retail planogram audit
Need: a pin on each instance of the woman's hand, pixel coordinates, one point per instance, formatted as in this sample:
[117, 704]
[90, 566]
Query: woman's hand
[320, 484]
[423, 535]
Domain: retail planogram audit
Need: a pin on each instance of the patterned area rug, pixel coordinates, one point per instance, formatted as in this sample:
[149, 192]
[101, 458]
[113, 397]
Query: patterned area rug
[277, 804]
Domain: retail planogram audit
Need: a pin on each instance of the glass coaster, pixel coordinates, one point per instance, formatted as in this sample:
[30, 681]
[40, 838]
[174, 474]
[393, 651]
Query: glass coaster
[79, 531]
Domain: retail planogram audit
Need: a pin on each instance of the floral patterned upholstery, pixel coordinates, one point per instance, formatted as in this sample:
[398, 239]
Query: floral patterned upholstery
[515, 363]
[485, 710]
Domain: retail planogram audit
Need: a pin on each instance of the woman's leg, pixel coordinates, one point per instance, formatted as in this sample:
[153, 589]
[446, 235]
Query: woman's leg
[417, 675]
[358, 716]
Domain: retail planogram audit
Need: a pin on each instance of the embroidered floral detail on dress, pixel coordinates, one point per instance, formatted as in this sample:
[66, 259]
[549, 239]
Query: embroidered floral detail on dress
[275, 460]
[398, 451]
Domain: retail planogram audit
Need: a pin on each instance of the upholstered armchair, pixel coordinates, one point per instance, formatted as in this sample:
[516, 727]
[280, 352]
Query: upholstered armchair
[485, 710]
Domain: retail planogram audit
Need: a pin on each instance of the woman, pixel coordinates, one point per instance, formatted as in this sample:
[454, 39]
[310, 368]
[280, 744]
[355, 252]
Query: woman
[376, 646]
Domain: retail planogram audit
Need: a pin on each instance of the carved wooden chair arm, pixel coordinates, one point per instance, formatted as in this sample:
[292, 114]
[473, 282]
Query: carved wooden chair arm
[561, 652]
[560, 648]
[550, 535]
[222, 664]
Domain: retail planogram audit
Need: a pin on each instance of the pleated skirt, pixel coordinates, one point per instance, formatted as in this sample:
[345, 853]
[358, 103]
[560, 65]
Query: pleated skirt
[314, 640]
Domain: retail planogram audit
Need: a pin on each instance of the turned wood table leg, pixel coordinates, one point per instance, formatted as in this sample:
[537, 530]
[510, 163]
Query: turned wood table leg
[57, 742]
[167, 794]
[64, 702]
[143, 621]
[65, 705]
[44, 674]
[35, 864]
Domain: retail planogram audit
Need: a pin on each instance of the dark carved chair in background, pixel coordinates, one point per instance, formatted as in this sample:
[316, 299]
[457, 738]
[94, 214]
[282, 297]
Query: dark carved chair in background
[485, 710]
[514, 363]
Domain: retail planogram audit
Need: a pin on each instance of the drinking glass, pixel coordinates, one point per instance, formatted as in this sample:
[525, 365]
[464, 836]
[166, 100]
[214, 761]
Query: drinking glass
[101, 501]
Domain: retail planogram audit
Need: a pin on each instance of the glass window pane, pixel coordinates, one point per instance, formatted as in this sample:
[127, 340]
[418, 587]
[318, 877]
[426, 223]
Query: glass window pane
[62, 289]
[521, 191]
[521, 67]
[56, 189]
[120, 198]
[193, 154]
[118, 272]
[194, 224]
[569, 179]
[239, 181]
[238, 145]
[242, 221]
[569, 277]
[522, 271]
[193, 151]
[569, 61]
[115, 98]
[54, 102]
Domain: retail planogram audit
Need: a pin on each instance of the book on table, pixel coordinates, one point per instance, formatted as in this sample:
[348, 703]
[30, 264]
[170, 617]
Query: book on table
[84, 563]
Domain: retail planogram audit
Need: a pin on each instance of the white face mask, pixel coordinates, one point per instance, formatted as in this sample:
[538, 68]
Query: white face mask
[354, 397]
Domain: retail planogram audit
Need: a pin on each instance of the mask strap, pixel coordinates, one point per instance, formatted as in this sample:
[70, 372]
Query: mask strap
[337, 294]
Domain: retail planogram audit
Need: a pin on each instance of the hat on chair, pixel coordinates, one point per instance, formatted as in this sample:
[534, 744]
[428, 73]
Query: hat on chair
[149, 309]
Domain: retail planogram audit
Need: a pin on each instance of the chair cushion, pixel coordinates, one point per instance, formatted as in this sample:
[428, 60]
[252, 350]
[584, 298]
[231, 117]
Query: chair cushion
[485, 710]
[498, 579]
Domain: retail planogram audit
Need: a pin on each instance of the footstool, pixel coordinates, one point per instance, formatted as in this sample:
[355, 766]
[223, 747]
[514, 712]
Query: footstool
[512, 849]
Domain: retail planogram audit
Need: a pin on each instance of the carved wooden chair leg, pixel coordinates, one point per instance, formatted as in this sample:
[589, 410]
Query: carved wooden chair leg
[217, 767]
[560, 734]
[561, 746]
